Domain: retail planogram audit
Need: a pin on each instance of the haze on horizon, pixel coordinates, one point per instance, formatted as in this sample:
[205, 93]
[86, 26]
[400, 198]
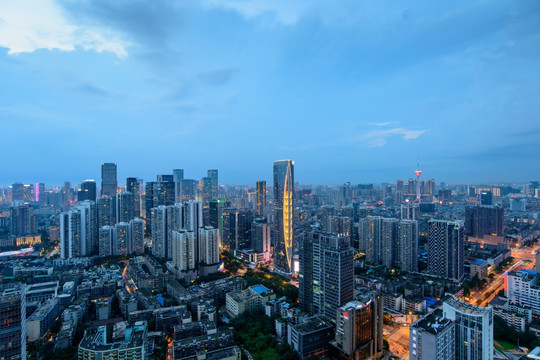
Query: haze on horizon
[357, 92]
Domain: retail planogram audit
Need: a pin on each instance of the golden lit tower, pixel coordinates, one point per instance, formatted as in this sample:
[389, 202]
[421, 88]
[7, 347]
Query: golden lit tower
[283, 210]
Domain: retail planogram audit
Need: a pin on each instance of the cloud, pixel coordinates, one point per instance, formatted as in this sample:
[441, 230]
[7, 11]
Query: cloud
[29, 25]
[378, 138]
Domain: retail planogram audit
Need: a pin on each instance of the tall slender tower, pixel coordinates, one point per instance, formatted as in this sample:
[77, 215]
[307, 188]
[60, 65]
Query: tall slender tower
[283, 211]
[418, 172]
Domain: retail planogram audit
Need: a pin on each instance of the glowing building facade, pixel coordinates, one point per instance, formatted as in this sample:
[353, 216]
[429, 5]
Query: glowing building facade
[283, 214]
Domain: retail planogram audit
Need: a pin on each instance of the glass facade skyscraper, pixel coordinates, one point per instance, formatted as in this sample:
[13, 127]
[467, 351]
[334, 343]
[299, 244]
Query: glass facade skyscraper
[109, 182]
[283, 214]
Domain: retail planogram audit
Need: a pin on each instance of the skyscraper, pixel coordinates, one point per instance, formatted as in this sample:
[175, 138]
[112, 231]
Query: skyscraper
[13, 321]
[407, 248]
[87, 191]
[106, 240]
[261, 196]
[109, 182]
[213, 174]
[215, 212]
[260, 235]
[183, 250]
[106, 211]
[446, 248]
[283, 214]
[178, 176]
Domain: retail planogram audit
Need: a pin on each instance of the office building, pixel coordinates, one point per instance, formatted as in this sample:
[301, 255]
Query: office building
[109, 181]
[205, 187]
[369, 231]
[96, 344]
[17, 192]
[215, 213]
[89, 227]
[446, 248]
[213, 175]
[283, 214]
[237, 228]
[473, 329]
[326, 272]
[311, 338]
[261, 197]
[13, 321]
[23, 220]
[359, 328]
[188, 189]
[87, 191]
[208, 245]
[432, 337]
[484, 220]
[39, 192]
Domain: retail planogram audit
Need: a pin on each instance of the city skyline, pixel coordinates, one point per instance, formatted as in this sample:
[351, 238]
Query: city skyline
[364, 89]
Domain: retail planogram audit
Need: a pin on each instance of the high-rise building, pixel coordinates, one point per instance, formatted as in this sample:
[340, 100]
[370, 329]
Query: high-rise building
[87, 191]
[183, 250]
[237, 225]
[215, 213]
[17, 192]
[136, 236]
[261, 197]
[326, 272]
[213, 175]
[159, 231]
[522, 289]
[121, 238]
[134, 185]
[432, 337]
[260, 236]
[283, 214]
[389, 242]
[23, 220]
[178, 176]
[208, 245]
[486, 198]
[188, 189]
[407, 250]
[206, 189]
[446, 248]
[13, 321]
[484, 220]
[109, 182]
[106, 211]
[125, 206]
[39, 192]
[370, 230]
[106, 240]
[89, 227]
[473, 329]
[70, 234]
[410, 211]
[359, 328]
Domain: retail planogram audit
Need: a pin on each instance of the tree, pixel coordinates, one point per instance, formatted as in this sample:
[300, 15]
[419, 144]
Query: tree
[115, 307]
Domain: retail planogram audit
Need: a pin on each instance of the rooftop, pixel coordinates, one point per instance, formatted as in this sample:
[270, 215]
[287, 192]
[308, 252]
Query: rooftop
[434, 322]
[465, 307]
[259, 289]
[313, 324]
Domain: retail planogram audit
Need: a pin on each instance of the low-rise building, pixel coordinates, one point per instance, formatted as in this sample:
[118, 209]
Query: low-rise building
[132, 345]
[41, 320]
[255, 296]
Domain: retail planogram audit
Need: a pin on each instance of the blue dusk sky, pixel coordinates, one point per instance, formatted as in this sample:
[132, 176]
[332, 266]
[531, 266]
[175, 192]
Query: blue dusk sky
[351, 90]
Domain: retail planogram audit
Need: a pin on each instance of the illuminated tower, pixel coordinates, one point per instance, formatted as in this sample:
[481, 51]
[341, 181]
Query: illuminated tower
[283, 211]
[418, 172]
